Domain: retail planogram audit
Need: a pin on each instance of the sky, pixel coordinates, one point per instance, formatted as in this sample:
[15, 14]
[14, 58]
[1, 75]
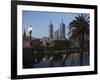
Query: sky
[41, 20]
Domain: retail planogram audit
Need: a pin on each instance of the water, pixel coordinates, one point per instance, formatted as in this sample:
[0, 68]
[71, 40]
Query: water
[43, 60]
[61, 60]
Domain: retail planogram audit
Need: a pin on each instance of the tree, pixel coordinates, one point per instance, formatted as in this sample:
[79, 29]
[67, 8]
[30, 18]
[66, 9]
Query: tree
[36, 44]
[61, 44]
[78, 29]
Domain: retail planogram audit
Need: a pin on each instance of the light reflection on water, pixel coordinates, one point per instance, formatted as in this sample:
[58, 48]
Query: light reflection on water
[61, 60]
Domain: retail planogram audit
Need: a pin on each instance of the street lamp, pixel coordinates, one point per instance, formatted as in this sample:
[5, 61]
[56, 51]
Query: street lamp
[30, 32]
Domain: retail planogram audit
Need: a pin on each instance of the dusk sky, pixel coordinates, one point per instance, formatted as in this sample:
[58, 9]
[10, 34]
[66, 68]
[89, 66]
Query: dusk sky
[41, 20]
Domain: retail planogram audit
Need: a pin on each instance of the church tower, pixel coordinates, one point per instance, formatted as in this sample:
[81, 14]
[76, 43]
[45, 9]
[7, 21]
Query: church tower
[24, 36]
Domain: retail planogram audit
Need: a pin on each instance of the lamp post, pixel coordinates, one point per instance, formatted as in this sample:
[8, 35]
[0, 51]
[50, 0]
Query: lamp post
[30, 32]
[31, 51]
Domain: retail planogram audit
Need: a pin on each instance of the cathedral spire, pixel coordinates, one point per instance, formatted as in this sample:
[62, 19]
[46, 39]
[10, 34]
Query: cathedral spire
[24, 35]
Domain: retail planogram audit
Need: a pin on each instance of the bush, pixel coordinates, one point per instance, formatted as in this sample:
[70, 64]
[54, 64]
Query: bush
[60, 44]
[36, 44]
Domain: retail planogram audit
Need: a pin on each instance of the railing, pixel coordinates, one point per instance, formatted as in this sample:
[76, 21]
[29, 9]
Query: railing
[68, 50]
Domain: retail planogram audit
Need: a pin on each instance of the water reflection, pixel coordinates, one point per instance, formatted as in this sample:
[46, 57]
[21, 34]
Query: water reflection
[41, 60]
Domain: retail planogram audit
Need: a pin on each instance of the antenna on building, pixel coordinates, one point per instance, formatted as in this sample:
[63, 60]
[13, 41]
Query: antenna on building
[50, 21]
[62, 20]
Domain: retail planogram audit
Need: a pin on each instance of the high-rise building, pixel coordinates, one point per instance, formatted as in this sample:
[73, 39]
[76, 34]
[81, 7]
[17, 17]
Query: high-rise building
[56, 35]
[51, 30]
[62, 31]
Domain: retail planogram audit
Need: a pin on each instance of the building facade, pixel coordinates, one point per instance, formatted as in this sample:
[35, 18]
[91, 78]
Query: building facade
[51, 30]
[62, 31]
[59, 34]
[56, 35]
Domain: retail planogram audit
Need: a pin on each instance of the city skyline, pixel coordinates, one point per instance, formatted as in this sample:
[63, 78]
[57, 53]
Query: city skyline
[40, 22]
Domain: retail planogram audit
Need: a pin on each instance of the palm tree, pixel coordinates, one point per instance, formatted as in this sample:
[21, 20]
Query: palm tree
[78, 28]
